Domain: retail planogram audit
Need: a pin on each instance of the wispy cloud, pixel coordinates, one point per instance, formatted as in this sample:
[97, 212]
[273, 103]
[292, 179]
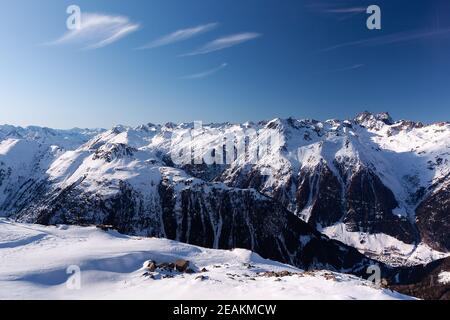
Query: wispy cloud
[225, 42]
[346, 13]
[180, 35]
[346, 10]
[97, 31]
[205, 73]
[349, 68]
[341, 11]
[392, 38]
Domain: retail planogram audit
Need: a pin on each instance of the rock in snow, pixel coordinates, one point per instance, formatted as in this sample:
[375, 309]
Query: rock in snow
[181, 265]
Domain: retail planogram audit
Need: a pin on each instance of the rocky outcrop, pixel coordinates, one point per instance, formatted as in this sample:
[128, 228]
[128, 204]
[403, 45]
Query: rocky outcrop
[321, 198]
[370, 207]
[433, 219]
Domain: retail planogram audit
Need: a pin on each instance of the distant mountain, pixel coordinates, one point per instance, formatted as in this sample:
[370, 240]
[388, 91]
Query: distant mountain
[65, 139]
[372, 183]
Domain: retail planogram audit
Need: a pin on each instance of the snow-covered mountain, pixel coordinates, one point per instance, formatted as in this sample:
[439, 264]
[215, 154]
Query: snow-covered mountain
[377, 185]
[67, 262]
[353, 179]
[64, 139]
[115, 181]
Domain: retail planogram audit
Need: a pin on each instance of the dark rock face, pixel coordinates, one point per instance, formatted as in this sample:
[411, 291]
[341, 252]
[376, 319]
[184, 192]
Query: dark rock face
[360, 200]
[26, 192]
[126, 211]
[321, 191]
[241, 218]
[369, 208]
[423, 281]
[370, 119]
[203, 215]
[5, 173]
[113, 151]
[204, 171]
[433, 219]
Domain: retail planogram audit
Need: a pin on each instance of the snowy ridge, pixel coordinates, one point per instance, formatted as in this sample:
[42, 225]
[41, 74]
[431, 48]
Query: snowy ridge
[35, 260]
[66, 139]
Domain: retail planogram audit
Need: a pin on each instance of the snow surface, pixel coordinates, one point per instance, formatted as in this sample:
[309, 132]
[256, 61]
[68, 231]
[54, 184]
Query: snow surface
[444, 277]
[383, 247]
[34, 260]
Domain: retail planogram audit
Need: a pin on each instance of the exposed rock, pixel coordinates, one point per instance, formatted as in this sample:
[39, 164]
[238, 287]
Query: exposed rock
[369, 208]
[433, 219]
[166, 266]
[150, 266]
[201, 278]
[329, 276]
[105, 227]
[273, 274]
[182, 265]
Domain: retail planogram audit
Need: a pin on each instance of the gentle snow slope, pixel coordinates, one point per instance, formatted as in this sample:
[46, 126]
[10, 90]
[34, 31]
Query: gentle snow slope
[34, 260]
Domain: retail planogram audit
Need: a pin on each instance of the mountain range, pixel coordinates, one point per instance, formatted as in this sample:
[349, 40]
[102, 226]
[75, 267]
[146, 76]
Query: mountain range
[337, 194]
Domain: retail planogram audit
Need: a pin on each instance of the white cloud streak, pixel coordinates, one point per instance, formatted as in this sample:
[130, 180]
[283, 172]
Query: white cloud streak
[97, 31]
[353, 67]
[339, 10]
[392, 39]
[225, 42]
[346, 10]
[180, 35]
[205, 73]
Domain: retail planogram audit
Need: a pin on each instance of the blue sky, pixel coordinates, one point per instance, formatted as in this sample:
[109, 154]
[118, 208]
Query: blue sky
[183, 60]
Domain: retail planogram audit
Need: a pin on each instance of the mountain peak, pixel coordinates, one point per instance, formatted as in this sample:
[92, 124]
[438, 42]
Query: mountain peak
[384, 117]
[372, 121]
